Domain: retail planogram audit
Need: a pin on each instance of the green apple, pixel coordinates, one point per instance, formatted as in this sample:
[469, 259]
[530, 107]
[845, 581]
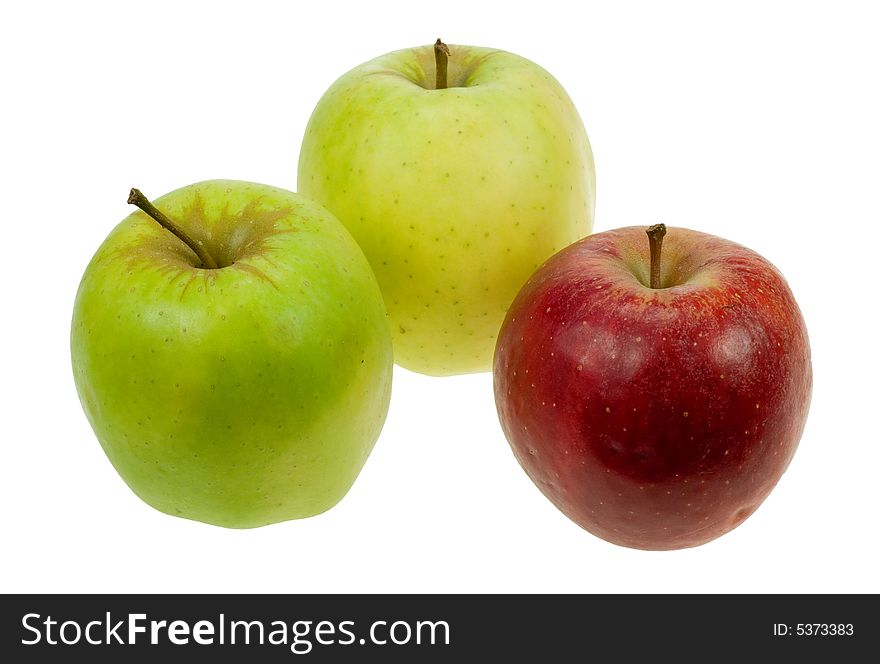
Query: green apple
[456, 192]
[239, 373]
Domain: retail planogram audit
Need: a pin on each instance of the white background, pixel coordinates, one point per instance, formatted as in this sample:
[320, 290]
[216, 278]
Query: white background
[758, 123]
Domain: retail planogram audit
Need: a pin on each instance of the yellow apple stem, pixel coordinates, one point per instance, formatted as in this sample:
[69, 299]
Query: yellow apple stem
[655, 238]
[441, 57]
[135, 197]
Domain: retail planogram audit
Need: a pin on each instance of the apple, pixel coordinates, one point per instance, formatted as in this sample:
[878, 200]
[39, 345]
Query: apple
[232, 354]
[457, 176]
[654, 398]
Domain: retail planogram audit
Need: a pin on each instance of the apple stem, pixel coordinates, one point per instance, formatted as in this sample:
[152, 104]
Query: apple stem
[655, 238]
[441, 57]
[135, 197]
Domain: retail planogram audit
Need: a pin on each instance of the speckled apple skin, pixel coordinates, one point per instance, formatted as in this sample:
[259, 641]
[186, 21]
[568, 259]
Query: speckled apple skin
[654, 418]
[456, 196]
[241, 396]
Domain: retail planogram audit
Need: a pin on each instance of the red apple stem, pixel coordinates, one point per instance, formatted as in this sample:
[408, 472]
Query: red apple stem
[135, 197]
[655, 239]
[441, 58]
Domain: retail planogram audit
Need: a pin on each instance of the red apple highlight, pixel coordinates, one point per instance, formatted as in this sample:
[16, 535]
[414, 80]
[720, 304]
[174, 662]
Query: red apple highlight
[655, 418]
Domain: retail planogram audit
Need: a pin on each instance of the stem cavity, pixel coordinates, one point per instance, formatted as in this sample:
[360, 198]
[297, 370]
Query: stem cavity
[441, 58]
[655, 238]
[135, 197]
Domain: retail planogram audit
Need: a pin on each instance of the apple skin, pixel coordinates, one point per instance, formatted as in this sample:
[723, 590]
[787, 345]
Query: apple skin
[239, 396]
[455, 195]
[654, 418]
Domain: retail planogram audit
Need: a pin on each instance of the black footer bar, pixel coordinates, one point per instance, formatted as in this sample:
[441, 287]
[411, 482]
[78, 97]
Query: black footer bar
[434, 628]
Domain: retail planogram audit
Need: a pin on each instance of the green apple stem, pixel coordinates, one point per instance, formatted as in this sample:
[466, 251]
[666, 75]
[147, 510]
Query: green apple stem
[441, 58]
[655, 238]
[135, 197]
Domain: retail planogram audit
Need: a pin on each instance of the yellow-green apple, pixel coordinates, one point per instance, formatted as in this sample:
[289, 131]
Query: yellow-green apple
[656, 399]
[458, 178]
[231, 351]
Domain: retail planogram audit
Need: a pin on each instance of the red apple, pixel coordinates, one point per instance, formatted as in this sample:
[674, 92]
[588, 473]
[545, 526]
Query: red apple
[655, 418]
